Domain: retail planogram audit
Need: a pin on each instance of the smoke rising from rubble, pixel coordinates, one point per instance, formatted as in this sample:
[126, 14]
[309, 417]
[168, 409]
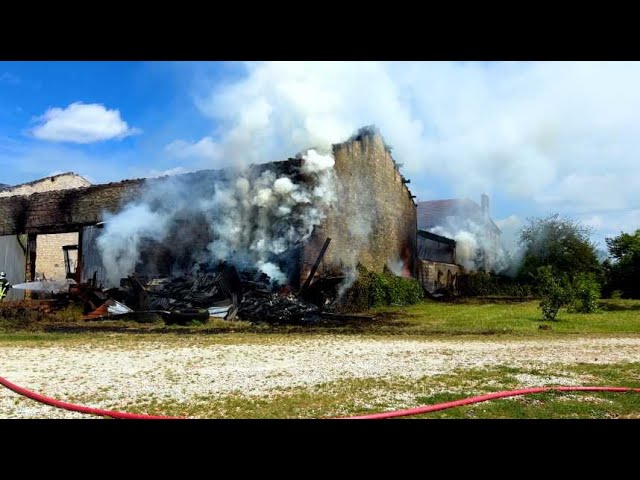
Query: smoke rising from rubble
[249, 217]
[471, 245]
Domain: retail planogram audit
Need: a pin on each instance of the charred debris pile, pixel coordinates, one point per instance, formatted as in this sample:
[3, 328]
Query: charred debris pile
[223, 291]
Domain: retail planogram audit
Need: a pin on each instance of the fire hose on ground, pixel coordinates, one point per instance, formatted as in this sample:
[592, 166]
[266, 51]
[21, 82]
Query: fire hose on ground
[375, 416]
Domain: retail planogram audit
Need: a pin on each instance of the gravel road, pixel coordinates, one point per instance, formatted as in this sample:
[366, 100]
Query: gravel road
[113, 373]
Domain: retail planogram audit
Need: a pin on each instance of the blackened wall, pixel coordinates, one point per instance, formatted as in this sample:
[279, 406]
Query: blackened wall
[429, 249]
[63, 210]
[374, 219]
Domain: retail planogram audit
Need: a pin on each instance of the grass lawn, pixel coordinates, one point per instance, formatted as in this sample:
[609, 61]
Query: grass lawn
[359, 397]
[464, 320]
[615, 316]
[428, 318]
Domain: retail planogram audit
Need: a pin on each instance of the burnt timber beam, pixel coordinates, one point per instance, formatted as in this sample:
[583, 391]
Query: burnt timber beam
[315, 266]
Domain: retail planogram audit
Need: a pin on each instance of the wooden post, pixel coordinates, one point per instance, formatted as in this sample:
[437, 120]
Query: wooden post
[30, 267]
[78, 277]
[315, 266]
[31, 257]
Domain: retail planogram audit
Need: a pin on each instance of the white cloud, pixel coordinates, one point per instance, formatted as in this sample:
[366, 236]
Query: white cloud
[611, 223]
[204, 149]
[82, 123]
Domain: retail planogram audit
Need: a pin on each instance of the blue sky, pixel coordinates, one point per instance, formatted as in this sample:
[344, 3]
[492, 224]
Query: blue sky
[539, 137]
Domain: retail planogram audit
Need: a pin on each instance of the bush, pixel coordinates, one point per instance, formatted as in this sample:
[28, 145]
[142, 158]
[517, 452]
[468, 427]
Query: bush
[71, 313]
[18, 316]
[555, 290]
[616, 295]
[380, 289]
[586, 293]
[477, 284]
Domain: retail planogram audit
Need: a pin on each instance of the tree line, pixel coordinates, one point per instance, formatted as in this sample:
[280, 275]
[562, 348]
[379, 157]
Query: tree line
[561, 260]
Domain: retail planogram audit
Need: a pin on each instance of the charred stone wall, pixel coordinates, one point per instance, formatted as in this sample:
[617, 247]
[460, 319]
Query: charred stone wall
[64, 210]
[374, 220]
[435, 276]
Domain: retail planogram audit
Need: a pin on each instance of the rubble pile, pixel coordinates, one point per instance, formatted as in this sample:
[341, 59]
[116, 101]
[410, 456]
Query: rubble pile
[276, 308]
[199, 291]
[223, 291]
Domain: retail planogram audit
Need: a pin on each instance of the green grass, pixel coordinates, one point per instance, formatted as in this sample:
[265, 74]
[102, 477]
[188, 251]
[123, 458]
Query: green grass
[427, 318]
[463, 320]
[362, 396]
[475, 317]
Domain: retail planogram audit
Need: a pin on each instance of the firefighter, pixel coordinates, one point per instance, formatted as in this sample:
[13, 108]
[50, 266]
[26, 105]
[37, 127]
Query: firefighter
[4, 285]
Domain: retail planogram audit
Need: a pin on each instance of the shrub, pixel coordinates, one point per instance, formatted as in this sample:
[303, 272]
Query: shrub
[18, 316]
[616, 295]
[71, 313]
[482, 284]
[586, 293]
[555, 290]
[380, 289]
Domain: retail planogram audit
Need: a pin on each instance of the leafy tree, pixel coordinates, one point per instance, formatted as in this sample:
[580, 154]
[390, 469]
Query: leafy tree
[554, 289]
[624, 272]
[585, 292]
[560, 243]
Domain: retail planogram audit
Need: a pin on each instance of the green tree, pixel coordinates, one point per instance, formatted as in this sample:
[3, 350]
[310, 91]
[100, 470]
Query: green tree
[623, 273]
[585, 291]
[555, 291]
[563, 244]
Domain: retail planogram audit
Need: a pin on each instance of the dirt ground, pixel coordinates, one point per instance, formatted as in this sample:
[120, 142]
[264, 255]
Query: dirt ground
[111, 373]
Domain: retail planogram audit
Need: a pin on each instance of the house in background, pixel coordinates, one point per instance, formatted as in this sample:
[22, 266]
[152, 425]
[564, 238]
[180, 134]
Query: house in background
[437, 268]
[463, 214]
[50, 261]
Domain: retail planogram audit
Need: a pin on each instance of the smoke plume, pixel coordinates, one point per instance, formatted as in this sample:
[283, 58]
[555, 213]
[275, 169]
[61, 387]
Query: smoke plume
[474, 249]
[252, 217]
[533, 132]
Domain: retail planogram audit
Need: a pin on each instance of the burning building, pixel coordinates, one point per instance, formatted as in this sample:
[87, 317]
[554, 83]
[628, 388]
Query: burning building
[470, 225]
[456, 235]
[275, 217]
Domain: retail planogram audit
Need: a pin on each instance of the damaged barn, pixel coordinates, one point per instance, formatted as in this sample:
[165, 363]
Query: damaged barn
[278, 225]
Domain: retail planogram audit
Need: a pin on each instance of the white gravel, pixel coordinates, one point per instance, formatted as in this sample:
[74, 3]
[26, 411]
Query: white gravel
[117, 373]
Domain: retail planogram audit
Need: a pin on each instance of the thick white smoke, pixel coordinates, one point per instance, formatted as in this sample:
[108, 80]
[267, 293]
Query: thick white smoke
[250, 218]
[536, 132]
[474, 249]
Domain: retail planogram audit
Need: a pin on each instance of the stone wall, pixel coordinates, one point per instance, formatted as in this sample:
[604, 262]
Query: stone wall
[64, 210]
[63, 181]
[435, 276]
[50, 257]
[374, 220]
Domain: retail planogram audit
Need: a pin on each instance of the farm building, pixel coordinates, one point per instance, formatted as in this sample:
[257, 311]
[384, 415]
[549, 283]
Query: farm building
[50, 256]
[373, 222]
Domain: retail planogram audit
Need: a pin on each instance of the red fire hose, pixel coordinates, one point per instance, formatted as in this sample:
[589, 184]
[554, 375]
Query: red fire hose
[77, 408]
[489, 396]
[375, 416]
